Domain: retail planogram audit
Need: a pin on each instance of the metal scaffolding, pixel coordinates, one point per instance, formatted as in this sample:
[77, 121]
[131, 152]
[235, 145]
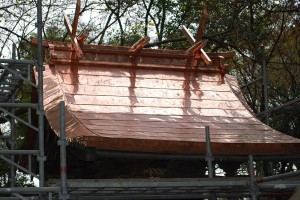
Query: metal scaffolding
[14, 73]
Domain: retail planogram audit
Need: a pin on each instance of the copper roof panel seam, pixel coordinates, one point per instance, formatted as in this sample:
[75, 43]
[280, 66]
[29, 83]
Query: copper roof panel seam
[230, 141]
[82, 89]
[169, 116]
[140, 73]
[187, 136]
[217, 131]
[141, 77]
[182, 126]
[173, 123]
[142, 66]
[185, 130]
[161, 111]
[184, 138]
[93, 89]
[200, 142]
[196, 98]
[183, 108]
[142, 83]
[193, 137]
[182, 86]
[161, 103]
[191, 132]
[161, 120]
[220, 89]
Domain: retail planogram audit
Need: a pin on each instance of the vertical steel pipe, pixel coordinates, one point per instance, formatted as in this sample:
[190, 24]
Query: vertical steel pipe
[63, 154]
[29, 72]
[251, 174]
[12, 143]
[14, 51]
[30, 166]
[40, 69]
[29, 116]
[209, 157]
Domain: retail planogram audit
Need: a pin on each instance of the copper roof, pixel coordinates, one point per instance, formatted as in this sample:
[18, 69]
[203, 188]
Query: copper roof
[152, 100]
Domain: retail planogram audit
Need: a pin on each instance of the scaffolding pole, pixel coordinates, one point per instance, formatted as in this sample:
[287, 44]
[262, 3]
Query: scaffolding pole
[209, 157]
[63, 154]
[252, 179]
[12, 145]
[40, 69]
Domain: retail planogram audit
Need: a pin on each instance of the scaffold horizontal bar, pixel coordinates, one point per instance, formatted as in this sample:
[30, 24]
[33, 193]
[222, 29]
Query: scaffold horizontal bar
[11, 61]
[18, 105]
[157, 183]
[153, 196]
[19, 152]
[29, 190]
[226, 157]
[278, 177]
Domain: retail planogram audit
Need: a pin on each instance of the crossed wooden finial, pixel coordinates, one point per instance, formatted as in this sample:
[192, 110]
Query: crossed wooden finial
[77, 42]
[197, 46]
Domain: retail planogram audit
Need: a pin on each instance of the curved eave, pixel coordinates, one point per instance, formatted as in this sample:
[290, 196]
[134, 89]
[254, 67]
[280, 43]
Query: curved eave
[113, 103]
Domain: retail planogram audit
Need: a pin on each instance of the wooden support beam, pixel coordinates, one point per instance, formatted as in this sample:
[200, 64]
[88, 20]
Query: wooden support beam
[76, 17]
[196, 48]
[205, 57]
[83, 36]
[34, 41]
[188, 35]
[73, 39]
[222, 69]
[140, 44]
[202, 23]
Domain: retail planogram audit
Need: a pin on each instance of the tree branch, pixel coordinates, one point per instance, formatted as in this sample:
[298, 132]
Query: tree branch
[19, 36]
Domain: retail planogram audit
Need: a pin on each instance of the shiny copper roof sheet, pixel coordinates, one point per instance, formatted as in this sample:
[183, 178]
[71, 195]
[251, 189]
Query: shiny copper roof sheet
[154, 101]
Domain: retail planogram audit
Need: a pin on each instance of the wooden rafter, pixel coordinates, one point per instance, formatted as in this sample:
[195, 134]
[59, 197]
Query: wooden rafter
[73, 39]
[76, 17]
[83, 36]
[202, 23]
[188, 35]
[192, 40]
[195, 48]
[140, 44]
